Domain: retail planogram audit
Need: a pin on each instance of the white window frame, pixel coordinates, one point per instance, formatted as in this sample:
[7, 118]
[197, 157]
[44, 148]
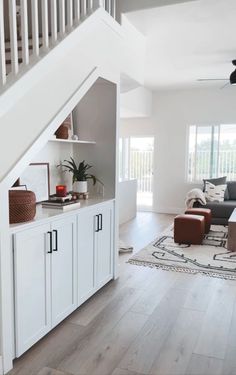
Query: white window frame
[195, 180]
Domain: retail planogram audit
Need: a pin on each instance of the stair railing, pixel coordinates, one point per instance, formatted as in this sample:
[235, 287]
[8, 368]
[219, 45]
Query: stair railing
[28, 28]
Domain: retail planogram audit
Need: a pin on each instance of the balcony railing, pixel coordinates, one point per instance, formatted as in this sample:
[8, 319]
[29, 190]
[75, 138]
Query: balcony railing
[141, 168]
[200, 166]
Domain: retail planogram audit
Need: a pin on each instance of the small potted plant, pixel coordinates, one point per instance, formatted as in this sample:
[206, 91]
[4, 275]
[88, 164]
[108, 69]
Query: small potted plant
[80, 175]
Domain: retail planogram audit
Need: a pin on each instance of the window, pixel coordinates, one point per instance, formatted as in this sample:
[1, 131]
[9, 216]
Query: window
[212, 152]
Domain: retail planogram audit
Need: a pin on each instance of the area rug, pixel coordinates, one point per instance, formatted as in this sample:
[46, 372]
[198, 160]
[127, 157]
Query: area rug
[211, 258]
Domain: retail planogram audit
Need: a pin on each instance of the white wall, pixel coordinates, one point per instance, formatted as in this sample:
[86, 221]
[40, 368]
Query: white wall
[127, 200]
[53, 153]
[136, 103]
[173, 112]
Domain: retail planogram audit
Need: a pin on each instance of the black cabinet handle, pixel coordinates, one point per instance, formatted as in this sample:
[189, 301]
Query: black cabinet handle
[97, 223]
[50, 239]
[101, 223]
[56, 240]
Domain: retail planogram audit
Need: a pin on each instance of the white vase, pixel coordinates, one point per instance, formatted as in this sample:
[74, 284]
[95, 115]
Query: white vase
[80, 187]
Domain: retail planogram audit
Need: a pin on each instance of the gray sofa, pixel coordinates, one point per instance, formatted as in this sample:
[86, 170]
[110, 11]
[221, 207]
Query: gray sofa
[221, 211]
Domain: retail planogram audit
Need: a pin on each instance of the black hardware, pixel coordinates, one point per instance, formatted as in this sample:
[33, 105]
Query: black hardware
[101, 223]
[97, 223]
[50, 235]
[56, 239]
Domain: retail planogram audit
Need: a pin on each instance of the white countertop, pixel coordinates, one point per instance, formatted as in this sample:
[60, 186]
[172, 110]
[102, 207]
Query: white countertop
[46, 214]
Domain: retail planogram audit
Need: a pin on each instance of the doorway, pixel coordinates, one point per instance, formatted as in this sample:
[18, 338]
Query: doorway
[136, 162]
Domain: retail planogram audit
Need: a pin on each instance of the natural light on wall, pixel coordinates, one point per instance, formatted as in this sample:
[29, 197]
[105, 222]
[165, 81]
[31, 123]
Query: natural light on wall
[211, 152]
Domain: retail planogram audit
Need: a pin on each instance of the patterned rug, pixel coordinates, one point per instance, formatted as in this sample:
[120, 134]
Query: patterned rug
[211, 258]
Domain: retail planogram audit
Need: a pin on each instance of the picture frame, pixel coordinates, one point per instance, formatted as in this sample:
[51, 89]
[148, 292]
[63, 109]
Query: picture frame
[36, 178]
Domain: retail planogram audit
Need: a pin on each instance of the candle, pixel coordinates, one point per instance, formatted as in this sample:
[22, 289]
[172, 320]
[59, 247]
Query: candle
[61, 191]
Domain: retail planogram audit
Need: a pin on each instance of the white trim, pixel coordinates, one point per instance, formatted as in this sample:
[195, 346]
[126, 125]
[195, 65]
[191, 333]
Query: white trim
[169, 210]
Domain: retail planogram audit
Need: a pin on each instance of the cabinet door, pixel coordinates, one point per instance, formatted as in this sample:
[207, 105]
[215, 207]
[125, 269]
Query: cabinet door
[104, 246]
[86, 232]
[32, 286]
[63, 277]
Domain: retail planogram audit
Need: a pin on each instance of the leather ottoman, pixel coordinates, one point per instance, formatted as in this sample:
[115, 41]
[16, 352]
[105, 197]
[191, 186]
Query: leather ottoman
[206, 212]
[189, 229]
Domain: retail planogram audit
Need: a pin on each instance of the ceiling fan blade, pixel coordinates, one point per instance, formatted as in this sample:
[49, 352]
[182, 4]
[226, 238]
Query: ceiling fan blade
[212, 79]
[223, 87]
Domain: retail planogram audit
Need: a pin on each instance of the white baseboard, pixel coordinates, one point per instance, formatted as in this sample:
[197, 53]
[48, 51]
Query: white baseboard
[170, 210]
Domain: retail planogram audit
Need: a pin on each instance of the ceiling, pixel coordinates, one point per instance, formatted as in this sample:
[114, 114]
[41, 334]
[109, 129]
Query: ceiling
[188, 41]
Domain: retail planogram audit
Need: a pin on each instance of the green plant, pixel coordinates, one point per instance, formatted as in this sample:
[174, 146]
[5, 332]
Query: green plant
[79, 171]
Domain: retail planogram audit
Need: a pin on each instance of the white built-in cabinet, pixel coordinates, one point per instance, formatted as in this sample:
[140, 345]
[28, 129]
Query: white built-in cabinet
[57, 266]
[32, 286]
[45, 279]
[95, 249]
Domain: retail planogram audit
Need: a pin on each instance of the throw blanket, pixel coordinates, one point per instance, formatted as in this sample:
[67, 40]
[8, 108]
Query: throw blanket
[195, 195]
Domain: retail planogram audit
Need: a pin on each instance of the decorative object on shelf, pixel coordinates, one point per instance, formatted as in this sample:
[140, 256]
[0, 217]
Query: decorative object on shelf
[61, 190]
[67, 202]
[83, 195]
[62, 132]
[36, 178]
[80, 187]
[66, 130]
[80, 175]
[64, 206]
[75, 137]
[22, 206]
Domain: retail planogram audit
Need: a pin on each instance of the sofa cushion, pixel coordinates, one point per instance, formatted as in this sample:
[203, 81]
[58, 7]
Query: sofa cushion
[220, 209]
[214, 181]
[231, 188]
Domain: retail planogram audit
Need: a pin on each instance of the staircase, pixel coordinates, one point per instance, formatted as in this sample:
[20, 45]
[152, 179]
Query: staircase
[30, 29]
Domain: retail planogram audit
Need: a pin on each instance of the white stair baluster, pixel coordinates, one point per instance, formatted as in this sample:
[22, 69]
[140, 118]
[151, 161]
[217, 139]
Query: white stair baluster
[13, 37]
[90, 5]
[24, 31]
[2, 46]
[35, 27]
[108, 5]
[44, 4]
[113, 9]
[54, 20]
[77, 10]
[69, 14]
[83, 8]
[62, 17]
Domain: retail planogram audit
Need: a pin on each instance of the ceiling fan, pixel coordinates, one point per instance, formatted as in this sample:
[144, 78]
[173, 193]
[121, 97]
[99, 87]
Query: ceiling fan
[231, 80]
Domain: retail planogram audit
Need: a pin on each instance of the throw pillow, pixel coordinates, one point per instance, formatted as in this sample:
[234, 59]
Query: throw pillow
[215, 192]
[214, 181]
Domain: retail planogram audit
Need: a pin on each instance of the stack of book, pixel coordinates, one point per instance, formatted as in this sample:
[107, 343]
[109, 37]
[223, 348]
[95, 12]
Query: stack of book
[61, 204]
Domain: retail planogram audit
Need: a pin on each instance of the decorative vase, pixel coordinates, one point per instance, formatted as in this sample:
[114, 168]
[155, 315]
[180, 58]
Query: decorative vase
[62, 132]
[80, 187]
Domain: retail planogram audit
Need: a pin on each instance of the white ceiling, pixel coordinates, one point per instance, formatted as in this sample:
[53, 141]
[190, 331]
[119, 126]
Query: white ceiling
[188, 41]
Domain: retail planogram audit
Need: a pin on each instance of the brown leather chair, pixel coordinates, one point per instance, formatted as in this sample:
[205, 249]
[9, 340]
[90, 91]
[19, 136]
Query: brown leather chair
[189, 229]
[206, 212]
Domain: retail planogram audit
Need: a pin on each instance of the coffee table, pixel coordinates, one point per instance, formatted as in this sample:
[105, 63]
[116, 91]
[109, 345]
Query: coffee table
[231, 244]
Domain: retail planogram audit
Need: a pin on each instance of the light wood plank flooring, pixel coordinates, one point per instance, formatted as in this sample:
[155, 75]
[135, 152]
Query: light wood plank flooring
[147, 322]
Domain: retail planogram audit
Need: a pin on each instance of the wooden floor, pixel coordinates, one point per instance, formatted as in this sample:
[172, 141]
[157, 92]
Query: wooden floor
[147, 322]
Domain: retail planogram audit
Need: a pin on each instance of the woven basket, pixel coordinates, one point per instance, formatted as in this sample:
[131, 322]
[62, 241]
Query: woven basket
[22, 206]
[62, 132]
